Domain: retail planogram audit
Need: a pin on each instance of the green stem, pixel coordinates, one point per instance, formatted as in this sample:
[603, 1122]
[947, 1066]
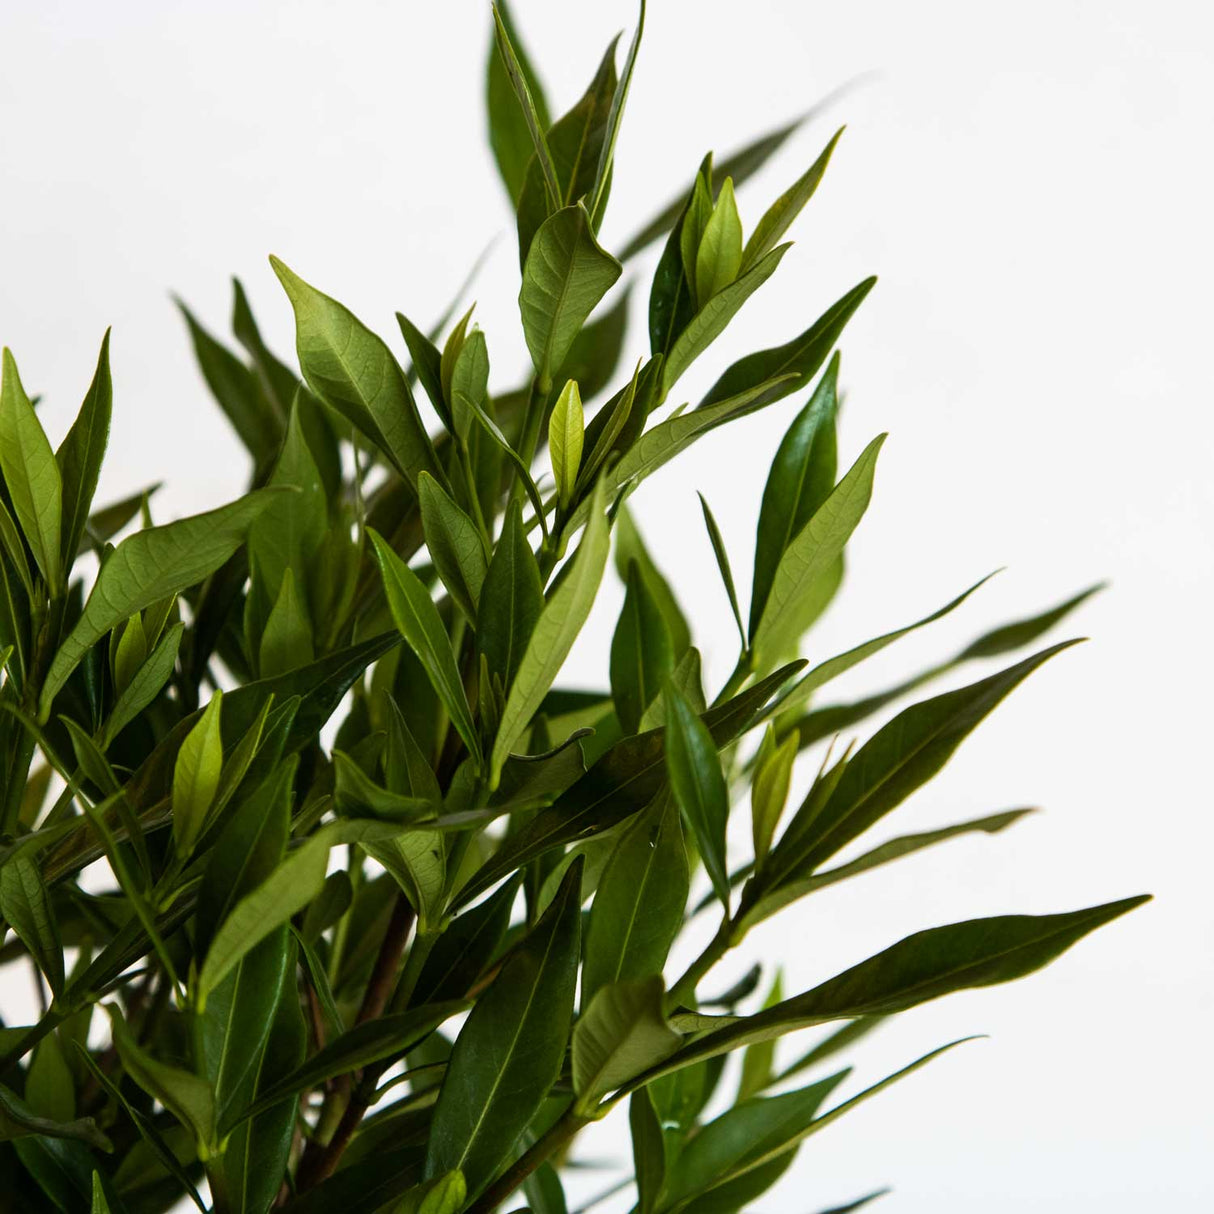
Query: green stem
[683, 991]
[556, 1137]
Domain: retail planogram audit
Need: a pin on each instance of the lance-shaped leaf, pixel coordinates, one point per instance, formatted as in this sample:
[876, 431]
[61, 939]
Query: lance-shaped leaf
[27, 909]
[455, 546]
[798, 886]
[512, 599]
[800, 359]
[566, 274]
[1023, 632]
[420, 624]
[714, 314]
[602, 176]
[639, 904]
[286, 641]
[723, 567]
[642, 656]
[671, 294]
[718, 256]
[758, 1060]
[566, 434]
[149, 566]
[787, 207]
[810, 555]
[769, 789]
[629, 550]
[509, 1052]
[30, 473]
[698, 785]
[354, 372]
[648, 1151]
[509, 128]
[923, 966]
[390, 1036]
[554, 633]
[688, 677]
[17, 1120]
[896, 760]
[622, 1032]
[196, 777]
[427, 367]
[277, 379]
[81, 452]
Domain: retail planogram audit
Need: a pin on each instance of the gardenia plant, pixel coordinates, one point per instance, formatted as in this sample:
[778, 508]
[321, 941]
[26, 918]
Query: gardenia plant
[386, 909]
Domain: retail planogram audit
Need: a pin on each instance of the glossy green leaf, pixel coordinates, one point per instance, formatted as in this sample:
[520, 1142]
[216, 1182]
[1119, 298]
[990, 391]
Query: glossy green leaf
[723, 567]
[642, 656]
[469, 388]
[639, 904]
[420, 624]
[31, 474]
[553, 635]
[455, 545]
[509, 1052]
[566, 428]
[27, 909]
[719, 251]
[150, 566]
[565, 276]
[698, 785]
[780, 215]
[354, 372]
[622, 1032]
[196, 777]
[81, 452]
[512, 599]
[417, 861]
[509, 128]
[809, 555]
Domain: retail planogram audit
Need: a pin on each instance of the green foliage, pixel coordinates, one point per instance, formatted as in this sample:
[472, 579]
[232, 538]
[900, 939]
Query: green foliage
[364, 843]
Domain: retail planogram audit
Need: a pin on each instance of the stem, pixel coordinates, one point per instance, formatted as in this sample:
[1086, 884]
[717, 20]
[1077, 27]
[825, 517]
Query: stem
[556, 1137]
[683, 991]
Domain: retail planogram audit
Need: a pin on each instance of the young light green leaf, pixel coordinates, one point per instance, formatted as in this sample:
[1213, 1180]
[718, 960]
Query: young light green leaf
[719, 254]
[196, 777]
[81, 452]
[27, 909]
[566, 428]
[642, 656]
[555, 631]
[769, 789]
[455, 545]
[639, 904]
[698, 785]
[354, 372]
[509, 1052]
[787, 207]
[692, 228]
[147, 567]
[130, 652]
[566, 274]
[622, 1032]
[31, 474]
[810, 555]
[722, 556]
[420, 624]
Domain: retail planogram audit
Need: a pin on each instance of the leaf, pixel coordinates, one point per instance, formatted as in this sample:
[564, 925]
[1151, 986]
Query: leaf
[612, 422]
[509, 1052]
[642, 657]
[638, 907]
[698, 785]
[364, 1187]
[787, 207]
[858, 1204]
[512, 599]
[832, 1044]
[595, 354]
[50, 1088]
[28, 911]
[278, 381]
[149, 566]
[622, 1032]
[526, 103]
[469, 381]
[648, 1151]
[566, 428]
[565, 276]
[427, 364]
[722, 556]
[418, 864]
[899, 758]
[81, 452]
[184, 1094]
[713, 315]
[758, 1059]
[799, 885]
[455, 546]
[354, 372]
[602, 176]
[420, 624]
[809, 555]
[239, 394]
[509, 129]
[553, 635]
[629, 550]
[719, 253]
[286, 642]
[17, 1119]
[769, 789]
[31, 474]
[800, 359]
[688, 678]
[390, 1036]
[196, 777]
[1023, 632]
[802, 477]
[923, 966]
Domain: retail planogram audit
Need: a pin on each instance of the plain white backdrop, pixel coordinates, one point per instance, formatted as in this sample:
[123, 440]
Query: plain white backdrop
[1033, 185]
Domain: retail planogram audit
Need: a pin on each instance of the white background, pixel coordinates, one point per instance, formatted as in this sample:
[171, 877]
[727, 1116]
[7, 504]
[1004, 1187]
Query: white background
[1033, 184]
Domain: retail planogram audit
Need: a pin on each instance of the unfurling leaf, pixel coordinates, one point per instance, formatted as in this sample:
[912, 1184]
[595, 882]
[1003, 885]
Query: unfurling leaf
[566, 428]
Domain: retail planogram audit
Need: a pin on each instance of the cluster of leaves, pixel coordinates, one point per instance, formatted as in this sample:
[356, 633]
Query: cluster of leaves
[399, 968]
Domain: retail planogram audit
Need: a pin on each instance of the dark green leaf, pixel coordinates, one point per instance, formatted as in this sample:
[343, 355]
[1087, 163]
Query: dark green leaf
[17, 1119]
[642, 656]
[509, 129]
[629, 550]
[1023, 632]
[648, 1151]
[722, 556]
[602, 175]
